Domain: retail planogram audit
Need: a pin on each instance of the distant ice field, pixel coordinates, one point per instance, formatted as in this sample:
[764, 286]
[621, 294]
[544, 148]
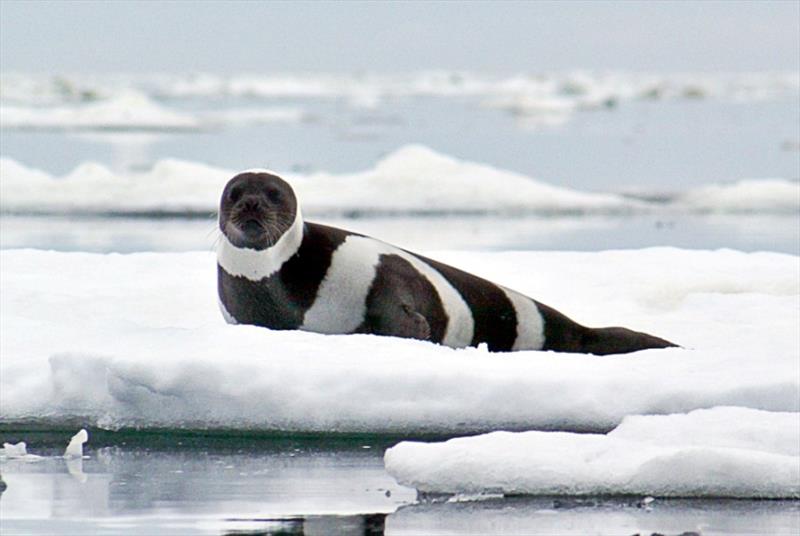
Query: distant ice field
[591, 131]
[571, 160]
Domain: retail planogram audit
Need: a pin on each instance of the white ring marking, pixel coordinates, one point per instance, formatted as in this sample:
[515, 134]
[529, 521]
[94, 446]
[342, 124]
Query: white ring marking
[256, 264]
[530, 325]
[341, 299]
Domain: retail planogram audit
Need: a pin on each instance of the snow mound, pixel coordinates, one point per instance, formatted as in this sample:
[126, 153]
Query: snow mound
[720, 452]
[117, 340]
[417, 179]
[412, 180]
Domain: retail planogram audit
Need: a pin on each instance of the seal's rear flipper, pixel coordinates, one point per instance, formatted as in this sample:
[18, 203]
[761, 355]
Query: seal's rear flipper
[562, 334]
[604, 341]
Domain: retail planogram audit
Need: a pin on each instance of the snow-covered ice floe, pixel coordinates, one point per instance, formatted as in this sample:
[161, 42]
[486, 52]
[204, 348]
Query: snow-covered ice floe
[719, 452]
[412, 180]
[138, 340]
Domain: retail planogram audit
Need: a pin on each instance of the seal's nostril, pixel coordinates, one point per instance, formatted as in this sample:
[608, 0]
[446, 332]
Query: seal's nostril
[251, 204]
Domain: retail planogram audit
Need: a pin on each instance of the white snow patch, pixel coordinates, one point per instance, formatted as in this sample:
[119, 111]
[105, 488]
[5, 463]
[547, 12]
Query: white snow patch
[720, 452]
[139, 340]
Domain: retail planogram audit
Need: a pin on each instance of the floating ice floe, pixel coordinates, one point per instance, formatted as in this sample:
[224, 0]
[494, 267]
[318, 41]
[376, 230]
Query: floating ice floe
[764, 195]
[17, 451]
[134, 111]
[75, 446]
[118, 340]
[412, 180]
[130, 110]
[720, 452]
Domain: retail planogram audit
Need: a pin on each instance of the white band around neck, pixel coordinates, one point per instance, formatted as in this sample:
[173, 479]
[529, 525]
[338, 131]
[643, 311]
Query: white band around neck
[255, 264]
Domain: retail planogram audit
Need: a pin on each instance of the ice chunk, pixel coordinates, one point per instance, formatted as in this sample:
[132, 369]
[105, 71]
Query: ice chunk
[773, 195]
[75, 447]
[18, 451]
[15, 450]
[665, 456]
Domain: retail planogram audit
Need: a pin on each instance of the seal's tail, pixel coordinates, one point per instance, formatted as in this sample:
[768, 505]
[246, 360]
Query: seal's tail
[604, 341]
[563, 334]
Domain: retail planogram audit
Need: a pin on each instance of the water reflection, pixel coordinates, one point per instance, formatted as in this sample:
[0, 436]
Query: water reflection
[193, 491]
[290, 488]
[365, 524]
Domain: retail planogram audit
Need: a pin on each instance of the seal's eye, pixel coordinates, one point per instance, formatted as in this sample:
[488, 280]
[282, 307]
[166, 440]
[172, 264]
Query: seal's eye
[235, 194]
[274, 196]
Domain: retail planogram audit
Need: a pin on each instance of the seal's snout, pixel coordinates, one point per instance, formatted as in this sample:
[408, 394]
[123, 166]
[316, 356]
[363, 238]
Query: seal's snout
[249, 215]
[251, 204]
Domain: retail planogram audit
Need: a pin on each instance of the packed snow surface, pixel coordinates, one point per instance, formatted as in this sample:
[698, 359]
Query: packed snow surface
[719, 452]
[412, 180]
[115, 340]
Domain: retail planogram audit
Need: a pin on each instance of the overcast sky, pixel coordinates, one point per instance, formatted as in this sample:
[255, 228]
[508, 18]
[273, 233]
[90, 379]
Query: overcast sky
[231, 36]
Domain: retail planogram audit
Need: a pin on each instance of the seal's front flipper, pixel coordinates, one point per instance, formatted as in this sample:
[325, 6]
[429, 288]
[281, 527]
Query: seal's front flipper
[397, 320]
[414, 325]
[604, 341]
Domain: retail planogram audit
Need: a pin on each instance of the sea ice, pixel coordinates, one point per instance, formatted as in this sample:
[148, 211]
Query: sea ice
[138, 339]
[719, 452]
[75, 446]
[578, 86]
[15, 450]
[18, 451]
[128, 110]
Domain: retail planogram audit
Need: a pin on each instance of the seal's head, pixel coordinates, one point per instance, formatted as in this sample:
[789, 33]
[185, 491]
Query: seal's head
[256, 209]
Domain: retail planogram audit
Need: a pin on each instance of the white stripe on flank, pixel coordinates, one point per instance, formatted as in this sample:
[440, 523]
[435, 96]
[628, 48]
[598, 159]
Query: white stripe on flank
[530, 325]
[341, 302]
[340, 305]
[256, 264]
